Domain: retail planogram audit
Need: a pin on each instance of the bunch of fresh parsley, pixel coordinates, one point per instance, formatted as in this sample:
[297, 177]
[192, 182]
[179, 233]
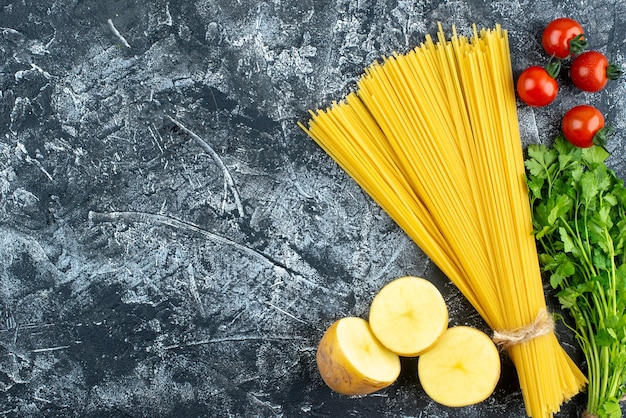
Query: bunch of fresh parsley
[579, 216]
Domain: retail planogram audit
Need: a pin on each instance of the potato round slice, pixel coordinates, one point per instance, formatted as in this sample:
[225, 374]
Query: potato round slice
[408, 315]
[462, 369]
[351, 360]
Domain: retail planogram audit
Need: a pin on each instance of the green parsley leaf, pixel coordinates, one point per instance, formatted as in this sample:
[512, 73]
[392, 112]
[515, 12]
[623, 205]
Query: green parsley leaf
[610, 409]
[594, 156]
[568, 243]
[560, 207]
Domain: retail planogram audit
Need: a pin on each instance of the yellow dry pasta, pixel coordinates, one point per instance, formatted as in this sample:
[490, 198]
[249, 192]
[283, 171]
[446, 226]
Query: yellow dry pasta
[433, 137]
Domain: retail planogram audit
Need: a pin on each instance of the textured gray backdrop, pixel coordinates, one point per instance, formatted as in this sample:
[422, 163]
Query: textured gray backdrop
[172, 245]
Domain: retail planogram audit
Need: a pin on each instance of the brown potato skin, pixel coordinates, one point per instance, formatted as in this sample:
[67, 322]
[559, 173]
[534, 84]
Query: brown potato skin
[337, 372]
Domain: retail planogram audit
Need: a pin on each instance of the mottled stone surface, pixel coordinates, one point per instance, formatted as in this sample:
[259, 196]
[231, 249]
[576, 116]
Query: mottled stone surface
[172, 245]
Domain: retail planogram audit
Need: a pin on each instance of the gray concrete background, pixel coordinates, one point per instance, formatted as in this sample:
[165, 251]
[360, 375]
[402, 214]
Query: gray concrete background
[172, 245]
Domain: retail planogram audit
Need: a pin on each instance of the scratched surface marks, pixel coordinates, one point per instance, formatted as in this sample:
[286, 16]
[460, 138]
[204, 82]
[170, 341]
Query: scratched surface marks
[171, 244]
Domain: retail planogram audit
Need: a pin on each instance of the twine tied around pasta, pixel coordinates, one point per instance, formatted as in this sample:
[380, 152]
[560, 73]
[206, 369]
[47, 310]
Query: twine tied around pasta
[543, 324]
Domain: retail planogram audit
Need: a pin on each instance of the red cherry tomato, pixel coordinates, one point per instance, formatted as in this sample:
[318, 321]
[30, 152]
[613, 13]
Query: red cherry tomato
[591, 70]
[563, 37]
[536, 87]
[581, 124]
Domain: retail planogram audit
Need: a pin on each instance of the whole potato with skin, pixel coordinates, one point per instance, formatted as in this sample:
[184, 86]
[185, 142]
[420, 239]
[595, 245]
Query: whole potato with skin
[351, 361]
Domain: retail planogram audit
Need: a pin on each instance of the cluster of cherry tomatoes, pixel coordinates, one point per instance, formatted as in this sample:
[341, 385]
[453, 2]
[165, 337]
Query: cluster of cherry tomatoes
[564, 40]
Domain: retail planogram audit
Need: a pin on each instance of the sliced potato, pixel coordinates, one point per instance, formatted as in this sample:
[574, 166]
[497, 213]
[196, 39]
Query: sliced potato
[408, 315]
[462, 369]
[351, 360]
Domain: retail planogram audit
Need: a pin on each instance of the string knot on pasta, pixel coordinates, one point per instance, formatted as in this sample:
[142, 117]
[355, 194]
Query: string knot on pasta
[542, 325]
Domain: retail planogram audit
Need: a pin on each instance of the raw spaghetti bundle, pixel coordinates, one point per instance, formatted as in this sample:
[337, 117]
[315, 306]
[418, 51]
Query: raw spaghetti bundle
[432, 136]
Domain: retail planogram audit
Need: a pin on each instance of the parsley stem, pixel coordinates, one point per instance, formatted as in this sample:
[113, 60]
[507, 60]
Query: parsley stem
[593, 360]
[588, 266]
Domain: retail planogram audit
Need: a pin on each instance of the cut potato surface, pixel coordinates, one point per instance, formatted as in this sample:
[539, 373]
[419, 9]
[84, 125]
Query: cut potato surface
[351, 360]
[408, 315]
[462, 369]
